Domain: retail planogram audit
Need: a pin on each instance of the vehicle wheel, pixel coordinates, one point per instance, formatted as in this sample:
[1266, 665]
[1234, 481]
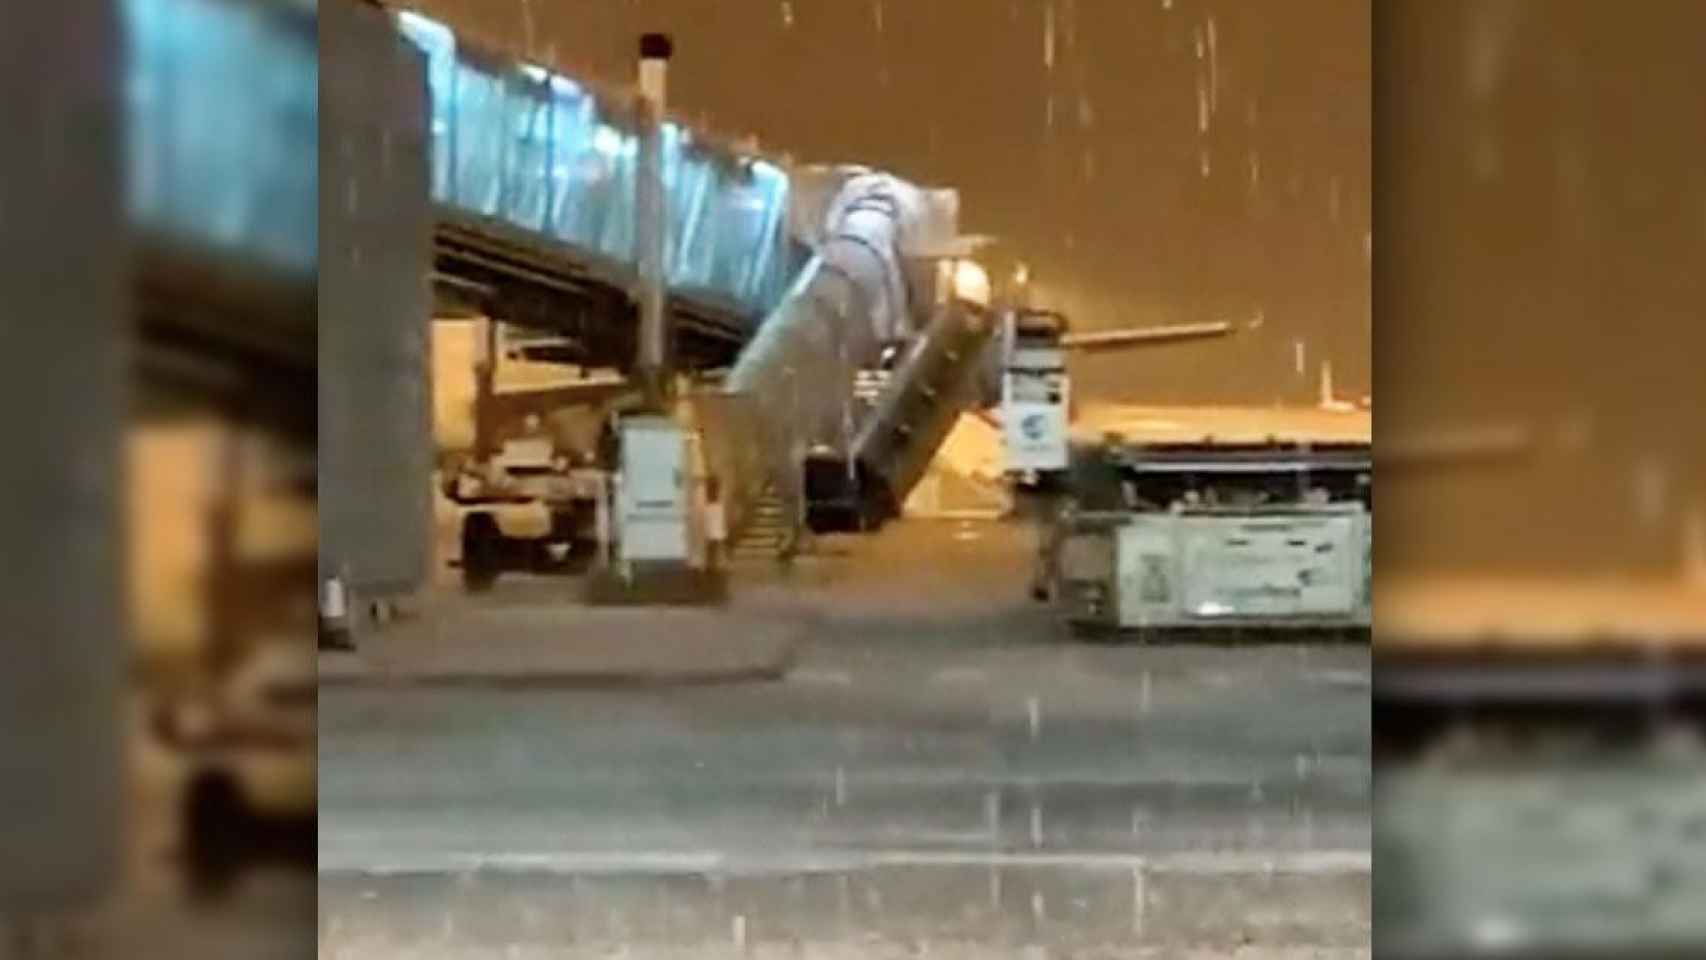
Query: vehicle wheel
[216, 828]
[481, 548]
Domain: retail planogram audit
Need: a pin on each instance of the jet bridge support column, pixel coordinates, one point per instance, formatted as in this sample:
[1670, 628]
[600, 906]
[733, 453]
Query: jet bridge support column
[651, 232]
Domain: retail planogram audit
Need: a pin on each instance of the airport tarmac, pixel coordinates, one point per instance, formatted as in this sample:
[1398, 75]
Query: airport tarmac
[942, 769]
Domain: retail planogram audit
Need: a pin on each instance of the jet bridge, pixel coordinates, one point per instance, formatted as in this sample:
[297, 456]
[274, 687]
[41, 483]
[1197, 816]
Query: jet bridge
[885, 281]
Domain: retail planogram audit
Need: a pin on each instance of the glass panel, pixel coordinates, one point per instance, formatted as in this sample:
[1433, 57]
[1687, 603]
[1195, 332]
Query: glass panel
[592, 157]
[571, 133]
[741, 212]
[439, 45]
[771, 271]
[479, 140]
[529, 109]
[618, 151]
[689, 199]
[222, 101]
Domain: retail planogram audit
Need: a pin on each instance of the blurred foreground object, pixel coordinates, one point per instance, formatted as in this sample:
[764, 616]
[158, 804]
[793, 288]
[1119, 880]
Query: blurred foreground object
[1540, 620]
[222, 102]
[64, 275]
[160, 254]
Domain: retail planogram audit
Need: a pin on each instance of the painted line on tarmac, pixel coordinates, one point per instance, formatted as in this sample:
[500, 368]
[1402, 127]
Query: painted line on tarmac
[1355, 679]
[1322, 863]
[822, 678]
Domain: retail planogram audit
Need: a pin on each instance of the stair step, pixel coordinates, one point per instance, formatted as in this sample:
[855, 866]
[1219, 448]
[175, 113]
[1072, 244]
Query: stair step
[767, 530]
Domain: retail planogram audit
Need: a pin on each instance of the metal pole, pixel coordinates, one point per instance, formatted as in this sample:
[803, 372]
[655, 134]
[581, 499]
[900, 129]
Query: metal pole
[651, 231]
[485, 385]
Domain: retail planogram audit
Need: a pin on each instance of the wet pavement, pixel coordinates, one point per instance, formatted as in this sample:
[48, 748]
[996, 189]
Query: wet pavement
[942, 769]
[1487, 850]
[539, 638]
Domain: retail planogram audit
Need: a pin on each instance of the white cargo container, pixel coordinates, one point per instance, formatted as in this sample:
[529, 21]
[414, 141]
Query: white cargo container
[1297, 565]
[1212, 534]
[1302, 565]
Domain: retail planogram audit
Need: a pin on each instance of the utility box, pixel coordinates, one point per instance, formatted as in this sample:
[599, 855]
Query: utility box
[1034, 393]
[654, 499]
